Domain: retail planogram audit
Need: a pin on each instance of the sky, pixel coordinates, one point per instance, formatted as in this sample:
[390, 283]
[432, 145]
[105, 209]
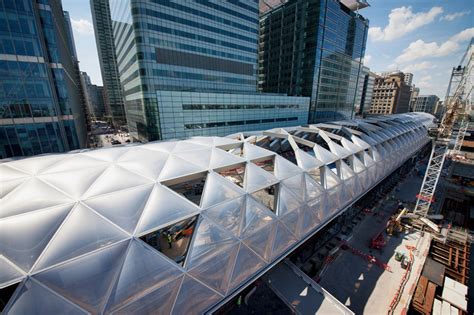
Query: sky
[426, 38]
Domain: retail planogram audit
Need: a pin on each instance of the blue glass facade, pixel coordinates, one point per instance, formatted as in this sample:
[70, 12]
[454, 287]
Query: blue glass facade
[313, 48]
[113, 96]
[39, 113]
[187, 114]
[195, 46]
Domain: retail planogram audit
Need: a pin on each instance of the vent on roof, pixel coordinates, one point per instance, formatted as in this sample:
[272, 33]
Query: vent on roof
[234, 173]
[190, 187]
[173, 240]
[6, 294]
[235, 150]
[268, 164]
[268, 196]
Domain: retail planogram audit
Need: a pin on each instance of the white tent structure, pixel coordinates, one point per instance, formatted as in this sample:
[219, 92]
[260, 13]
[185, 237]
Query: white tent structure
[176, 227]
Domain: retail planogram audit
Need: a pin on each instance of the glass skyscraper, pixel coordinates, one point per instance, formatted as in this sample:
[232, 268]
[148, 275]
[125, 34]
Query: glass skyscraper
[314, 48]
[41, 102]
[194, 46]
[114, 100]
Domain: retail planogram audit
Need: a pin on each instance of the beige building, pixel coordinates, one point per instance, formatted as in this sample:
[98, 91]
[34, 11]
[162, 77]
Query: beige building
[391, 95]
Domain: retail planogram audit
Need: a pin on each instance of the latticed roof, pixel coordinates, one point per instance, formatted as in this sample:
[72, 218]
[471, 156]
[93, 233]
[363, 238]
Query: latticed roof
[178, 226]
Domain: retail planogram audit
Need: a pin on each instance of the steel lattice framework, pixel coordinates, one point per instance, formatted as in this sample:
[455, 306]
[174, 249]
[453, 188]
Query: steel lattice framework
[430, 181]
[460, 136]
[457, 100]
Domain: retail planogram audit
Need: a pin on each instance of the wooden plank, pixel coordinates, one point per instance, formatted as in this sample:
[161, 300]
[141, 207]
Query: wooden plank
[450, 256]
[420, 290]
[429, 298]
[456, 260]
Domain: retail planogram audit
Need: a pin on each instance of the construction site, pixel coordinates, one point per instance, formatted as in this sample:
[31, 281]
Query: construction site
[404, 247]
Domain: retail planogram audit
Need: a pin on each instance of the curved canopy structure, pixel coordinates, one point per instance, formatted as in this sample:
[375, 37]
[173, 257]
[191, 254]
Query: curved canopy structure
[178, 226]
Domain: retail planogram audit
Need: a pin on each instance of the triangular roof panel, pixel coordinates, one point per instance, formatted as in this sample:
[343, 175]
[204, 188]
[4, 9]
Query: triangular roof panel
[325, 156]
[338, 150]
[228, 214]
[285, 169]
[283, 240]
[163, 207]
[296, 185]
[33, 194]
[313, 189]
[143, 269]
[183, 146]
[309, 220]
[361, 143]
[147, 163]
[192, 290]
[82, 231]
[218, 189]
[74, 162]
[37, 164]
[208, 239]
[161, 299]
[292, 221]
[247, 264]
[177, 167]
[220, 158]
[126, 208]
[306, 161]
[113, 179]
[86, 280]
[254, 217]
[107, 154]
[330, 179]
[252, 152]
[287, 202]
[201, 157]
[9, 173]
[349, 145]
[256, 178]
[262, 241]
[9, 272]
[83, 180]
[33, 298]
[25, 236]
[215, 269]
[164, 146]
[7, 187]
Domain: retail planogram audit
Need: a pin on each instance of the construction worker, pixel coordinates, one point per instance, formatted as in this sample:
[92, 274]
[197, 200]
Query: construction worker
[170, 240]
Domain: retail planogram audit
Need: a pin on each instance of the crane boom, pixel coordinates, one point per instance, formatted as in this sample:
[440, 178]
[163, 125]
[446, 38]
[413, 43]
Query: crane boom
[455, 103]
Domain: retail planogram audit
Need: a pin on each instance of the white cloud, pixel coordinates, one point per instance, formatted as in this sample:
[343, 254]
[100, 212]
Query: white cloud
[392, 66]
[467, 34]
[402, 21]
[425, 82]
[82, 27]
[419, 48]
[453, 16]
[367, 60]
[418, 66]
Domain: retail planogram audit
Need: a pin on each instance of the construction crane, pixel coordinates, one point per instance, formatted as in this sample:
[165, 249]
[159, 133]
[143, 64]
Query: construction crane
[457, 97]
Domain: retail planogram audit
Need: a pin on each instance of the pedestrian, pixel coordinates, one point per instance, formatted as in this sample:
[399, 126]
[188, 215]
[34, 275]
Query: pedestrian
[170, 240]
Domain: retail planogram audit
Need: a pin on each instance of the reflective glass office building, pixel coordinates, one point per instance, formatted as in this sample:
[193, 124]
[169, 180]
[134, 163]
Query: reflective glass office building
[108, 61]
[41, 107]
[194, 46]
[185, 114]
[314, 48]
